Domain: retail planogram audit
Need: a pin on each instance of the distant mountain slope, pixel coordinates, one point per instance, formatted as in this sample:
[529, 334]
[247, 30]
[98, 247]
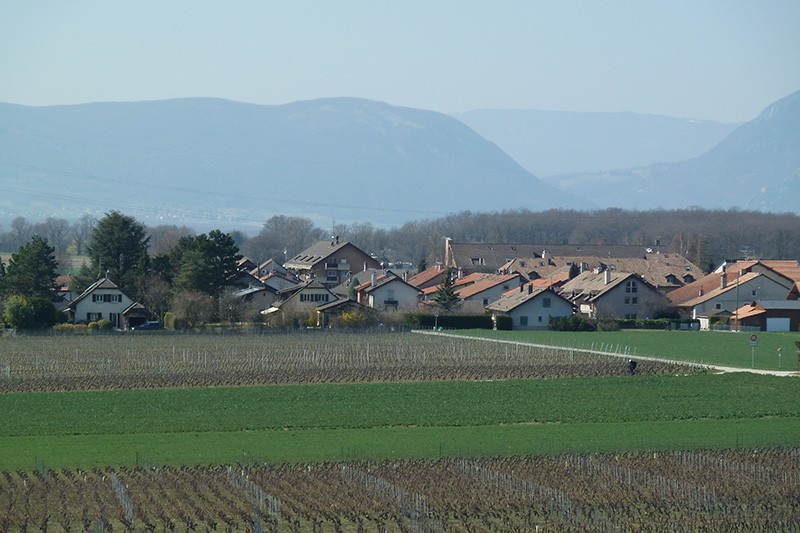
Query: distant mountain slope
[207, 159]
[558, 142]
[757, 166]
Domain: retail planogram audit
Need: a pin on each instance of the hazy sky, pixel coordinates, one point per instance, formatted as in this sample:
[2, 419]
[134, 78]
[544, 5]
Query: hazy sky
[711, 59]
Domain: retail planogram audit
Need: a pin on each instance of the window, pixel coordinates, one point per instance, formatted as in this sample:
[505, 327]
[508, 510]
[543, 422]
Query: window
[106, 298]
[93, 317]
[634, 300]
[523, 321]
[546, 302]
[540, 318]
[485, 301]
[718, 306]
[631, 286]
[627, 300]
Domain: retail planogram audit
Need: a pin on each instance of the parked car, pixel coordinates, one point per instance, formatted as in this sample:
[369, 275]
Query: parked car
[148, 326]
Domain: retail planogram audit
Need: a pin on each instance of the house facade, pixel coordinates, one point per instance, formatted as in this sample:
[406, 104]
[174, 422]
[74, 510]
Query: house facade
[388, 292]
[103, 300]
[531, 307]
[613, 294]
[330, 262]
[778, 315]
[729, 294]
[303, 299]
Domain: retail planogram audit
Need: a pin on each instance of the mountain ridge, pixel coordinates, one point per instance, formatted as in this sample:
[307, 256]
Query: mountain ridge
[331, 158]
[756, 166]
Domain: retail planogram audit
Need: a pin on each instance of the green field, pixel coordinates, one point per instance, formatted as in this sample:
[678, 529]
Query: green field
[773, 351]
[385, 420]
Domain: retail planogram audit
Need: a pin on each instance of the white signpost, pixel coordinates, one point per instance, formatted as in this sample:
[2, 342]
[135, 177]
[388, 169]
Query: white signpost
[753, 342]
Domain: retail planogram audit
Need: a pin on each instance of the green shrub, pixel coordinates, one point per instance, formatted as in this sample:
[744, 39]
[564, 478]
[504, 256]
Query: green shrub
[104, 325]
[504, 322]
[607, 324]
[80, 328]
[22, 312]
[169, 320]
[65, 328]
[571, 323]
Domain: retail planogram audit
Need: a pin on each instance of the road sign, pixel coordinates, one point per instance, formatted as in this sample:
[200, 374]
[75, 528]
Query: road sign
[753, 340]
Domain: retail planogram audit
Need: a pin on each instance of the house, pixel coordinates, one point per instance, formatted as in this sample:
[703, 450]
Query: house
[279, 281]
[347, 289]
[387, 292]
[616, 294]
[430, 277]
[268, 267]
[103, 300]
[330, 262]
[665, 271]
[332, 314]
[302, 299]
[728, 289]
[245, 264]
[531, 307]
[765, 315]
[488, 288]
[490, 257]
[62, 289]
[257, 297]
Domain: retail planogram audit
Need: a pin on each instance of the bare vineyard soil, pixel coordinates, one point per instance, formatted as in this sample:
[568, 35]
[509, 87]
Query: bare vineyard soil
[99, 362]
[744, 490]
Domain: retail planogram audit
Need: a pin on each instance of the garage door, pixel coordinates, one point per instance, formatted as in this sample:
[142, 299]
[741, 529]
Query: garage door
[777, 324]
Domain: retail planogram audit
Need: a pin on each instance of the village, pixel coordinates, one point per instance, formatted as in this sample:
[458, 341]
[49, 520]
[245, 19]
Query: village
[334, 283]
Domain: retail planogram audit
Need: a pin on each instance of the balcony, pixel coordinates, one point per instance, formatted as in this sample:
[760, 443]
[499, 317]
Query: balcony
[337, 265]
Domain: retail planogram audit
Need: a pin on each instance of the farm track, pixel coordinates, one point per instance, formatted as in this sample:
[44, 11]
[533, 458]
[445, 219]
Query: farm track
[744, 490]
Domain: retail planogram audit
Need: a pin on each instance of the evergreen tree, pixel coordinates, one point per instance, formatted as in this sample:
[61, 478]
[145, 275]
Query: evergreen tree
[207, 263]
[32, 271]
[445, 297]
[117, 245]
[3, 280]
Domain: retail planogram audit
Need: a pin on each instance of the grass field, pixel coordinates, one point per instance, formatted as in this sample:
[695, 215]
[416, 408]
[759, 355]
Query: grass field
[326, 422]
[773, 351]
[386, 432]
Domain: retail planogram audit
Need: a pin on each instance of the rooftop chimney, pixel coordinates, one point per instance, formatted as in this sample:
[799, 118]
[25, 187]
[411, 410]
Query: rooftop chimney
[606, 276]
[723, 280]
[373, 279]
[530, 288]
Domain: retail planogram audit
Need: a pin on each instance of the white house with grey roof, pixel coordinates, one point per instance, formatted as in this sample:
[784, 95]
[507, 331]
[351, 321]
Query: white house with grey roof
[531, 307]
[103, 300]
[330, 262]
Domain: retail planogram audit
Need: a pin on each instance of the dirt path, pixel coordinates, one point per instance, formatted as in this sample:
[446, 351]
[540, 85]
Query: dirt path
[717, 368]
